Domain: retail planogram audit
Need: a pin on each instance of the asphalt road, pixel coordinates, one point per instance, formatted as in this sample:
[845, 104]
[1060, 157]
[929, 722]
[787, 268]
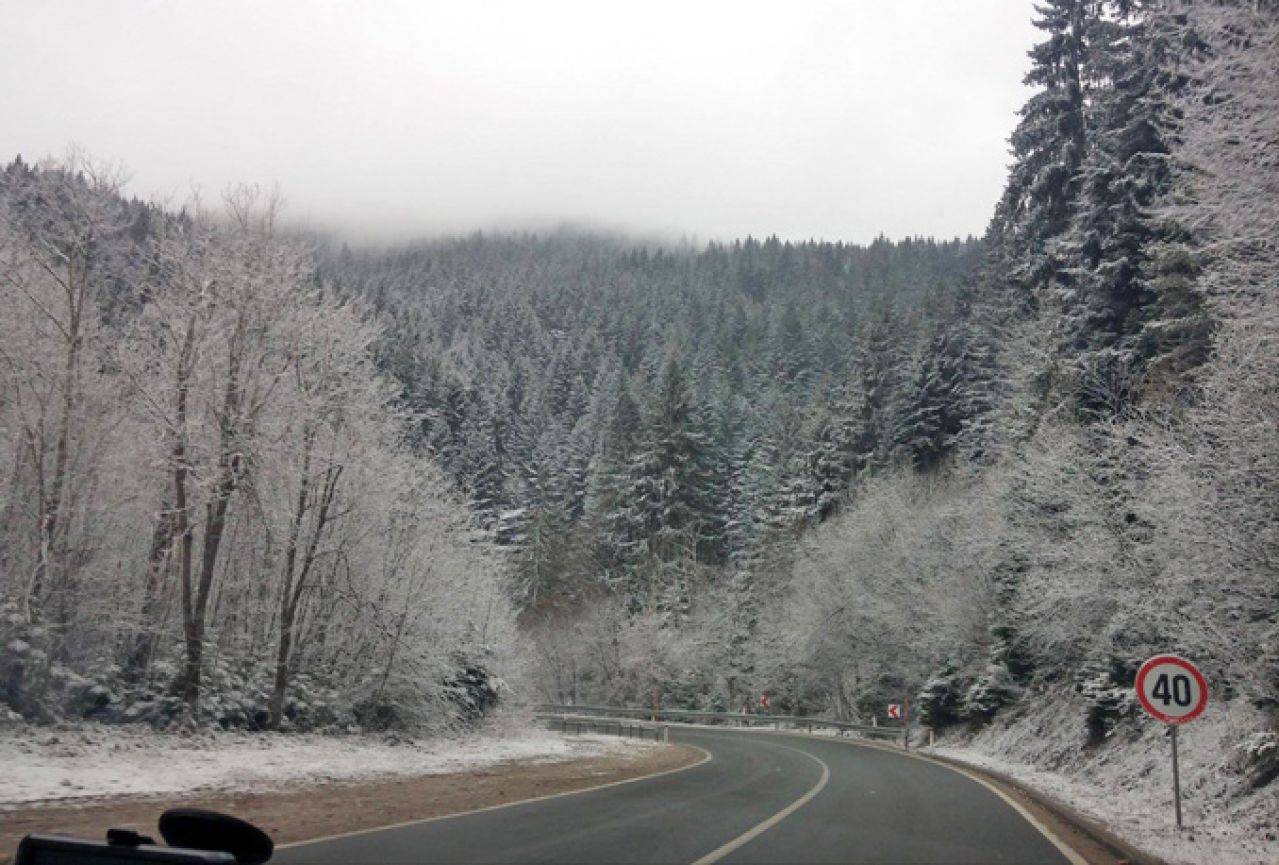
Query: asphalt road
[762, 798]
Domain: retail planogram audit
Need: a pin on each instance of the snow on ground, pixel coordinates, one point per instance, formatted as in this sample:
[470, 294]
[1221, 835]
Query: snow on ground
[1126, 783]
[94, 761]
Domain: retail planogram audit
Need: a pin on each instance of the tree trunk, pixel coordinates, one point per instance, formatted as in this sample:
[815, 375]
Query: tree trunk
[291, 594]
[139, 655]
[51, 524]
[214, 525]
[281, 684]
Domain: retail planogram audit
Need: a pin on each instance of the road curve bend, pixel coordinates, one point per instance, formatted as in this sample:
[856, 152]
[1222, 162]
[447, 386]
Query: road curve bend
[762, 798]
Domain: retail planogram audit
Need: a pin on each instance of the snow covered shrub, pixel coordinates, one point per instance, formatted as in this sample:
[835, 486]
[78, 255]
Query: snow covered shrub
[993, 690]
[43, 691]
[941, 701]
[379, 714]
[314, 703]
[1267, 692]
[23, 662]
[1012, 651]
[1259, 758]
[474, 690]
[88, 697]
[16, 658]
[1108, 688]
[146, 705]
[715, 701]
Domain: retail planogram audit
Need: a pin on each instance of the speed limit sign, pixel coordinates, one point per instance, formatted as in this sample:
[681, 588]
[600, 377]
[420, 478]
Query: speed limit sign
[1172, 689]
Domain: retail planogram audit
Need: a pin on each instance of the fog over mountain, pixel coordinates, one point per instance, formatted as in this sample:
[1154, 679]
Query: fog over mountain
[709, 120]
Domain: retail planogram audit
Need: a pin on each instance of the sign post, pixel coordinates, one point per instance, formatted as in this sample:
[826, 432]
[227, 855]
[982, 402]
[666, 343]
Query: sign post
[906, 722]
[901, 712]
[1176, 778]
[1172, 690]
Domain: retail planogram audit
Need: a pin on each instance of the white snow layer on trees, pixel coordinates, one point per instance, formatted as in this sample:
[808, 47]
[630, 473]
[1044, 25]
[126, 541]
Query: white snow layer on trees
[209, 503]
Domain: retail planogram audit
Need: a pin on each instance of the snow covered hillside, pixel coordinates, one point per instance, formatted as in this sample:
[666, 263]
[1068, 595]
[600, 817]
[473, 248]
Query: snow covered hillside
[1125, 782]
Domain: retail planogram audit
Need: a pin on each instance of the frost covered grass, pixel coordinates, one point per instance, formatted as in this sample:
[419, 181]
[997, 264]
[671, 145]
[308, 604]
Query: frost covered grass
[1126, 782]
[94, 762]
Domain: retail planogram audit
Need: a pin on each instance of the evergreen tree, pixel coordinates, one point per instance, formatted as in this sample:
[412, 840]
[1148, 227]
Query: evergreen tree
[1133, 303]
[668, 514]
[881, 359]
[949, 393]
[1049, 143]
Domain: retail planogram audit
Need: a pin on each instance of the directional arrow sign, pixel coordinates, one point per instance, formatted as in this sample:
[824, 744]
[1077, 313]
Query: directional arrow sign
[1172, 689]
[895, 711]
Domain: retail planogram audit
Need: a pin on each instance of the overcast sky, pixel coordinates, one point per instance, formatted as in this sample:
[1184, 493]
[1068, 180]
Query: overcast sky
[836, 120]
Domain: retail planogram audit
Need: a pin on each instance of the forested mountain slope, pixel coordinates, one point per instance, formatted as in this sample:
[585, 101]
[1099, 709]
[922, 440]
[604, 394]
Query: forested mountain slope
[990, 475]
[623, 416]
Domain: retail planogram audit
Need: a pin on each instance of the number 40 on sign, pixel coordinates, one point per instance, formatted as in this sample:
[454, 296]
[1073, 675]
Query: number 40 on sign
[1172, 689]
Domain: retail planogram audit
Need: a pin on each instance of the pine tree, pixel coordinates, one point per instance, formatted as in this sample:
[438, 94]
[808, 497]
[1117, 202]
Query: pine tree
[610, 472]
[1113, 324]
[881, 360]
[951, 392]
[668, 513]
[1048, 144]
[538, 531]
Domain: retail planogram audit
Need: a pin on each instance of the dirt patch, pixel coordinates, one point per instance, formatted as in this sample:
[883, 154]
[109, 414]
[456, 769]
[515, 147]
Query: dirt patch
[315, 811]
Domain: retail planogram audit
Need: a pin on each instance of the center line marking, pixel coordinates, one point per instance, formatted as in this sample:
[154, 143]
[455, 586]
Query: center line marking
[752, 834]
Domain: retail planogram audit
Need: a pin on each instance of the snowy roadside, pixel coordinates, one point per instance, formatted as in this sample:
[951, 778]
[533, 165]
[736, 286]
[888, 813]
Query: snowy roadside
[1126, 785]
[89, 762]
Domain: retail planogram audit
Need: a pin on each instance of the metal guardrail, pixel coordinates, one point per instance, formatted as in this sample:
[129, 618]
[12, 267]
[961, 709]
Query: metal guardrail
[607, 726]
[722, 718]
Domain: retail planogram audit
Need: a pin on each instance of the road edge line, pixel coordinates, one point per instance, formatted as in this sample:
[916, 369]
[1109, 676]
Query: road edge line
[1073, 856]
[706, 758]
[760, 828]
[1091, 828]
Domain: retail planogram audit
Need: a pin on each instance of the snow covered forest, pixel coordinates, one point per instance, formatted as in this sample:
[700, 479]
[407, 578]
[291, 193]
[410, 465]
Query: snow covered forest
[212, 511]
[261, 479]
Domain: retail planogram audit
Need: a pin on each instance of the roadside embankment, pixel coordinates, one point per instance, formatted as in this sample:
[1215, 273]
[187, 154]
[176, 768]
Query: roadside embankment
[82, 781]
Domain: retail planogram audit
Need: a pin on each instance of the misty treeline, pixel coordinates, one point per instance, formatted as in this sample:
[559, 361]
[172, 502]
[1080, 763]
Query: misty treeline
[964, 472]
[210, 509]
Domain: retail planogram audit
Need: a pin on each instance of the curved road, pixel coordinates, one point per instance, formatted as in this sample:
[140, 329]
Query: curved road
[763, 798]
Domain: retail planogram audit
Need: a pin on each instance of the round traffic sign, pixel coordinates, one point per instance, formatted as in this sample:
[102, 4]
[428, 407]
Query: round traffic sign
[1172, 689]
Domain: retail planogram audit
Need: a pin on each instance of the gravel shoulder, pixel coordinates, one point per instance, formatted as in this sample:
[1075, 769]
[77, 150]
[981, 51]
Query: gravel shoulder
[308, 810]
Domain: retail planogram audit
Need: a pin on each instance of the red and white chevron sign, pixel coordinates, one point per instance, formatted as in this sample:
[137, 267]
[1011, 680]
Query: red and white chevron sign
[895, 711]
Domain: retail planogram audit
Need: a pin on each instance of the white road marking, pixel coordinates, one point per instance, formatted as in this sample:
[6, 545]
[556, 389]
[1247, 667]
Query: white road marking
[705, 759]
[1072, 856]
[1069, 852]
[746, 837]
